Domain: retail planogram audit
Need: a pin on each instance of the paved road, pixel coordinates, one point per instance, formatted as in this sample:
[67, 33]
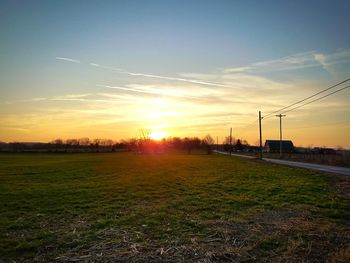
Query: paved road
[311, 166]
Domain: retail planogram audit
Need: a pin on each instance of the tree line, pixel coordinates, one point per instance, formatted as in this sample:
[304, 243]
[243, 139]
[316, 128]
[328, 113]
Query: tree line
[142, 144]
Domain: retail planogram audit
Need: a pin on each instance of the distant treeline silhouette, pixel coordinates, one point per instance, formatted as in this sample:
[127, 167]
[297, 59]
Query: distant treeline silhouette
[144, 144]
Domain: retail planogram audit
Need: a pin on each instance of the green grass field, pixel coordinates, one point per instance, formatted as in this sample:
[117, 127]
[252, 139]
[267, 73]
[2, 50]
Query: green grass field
[176, 207]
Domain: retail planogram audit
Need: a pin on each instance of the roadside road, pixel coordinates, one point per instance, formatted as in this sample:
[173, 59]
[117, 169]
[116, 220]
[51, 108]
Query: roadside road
[311, 166]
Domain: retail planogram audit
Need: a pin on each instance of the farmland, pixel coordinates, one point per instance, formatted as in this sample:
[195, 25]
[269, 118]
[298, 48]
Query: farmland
[168, 207]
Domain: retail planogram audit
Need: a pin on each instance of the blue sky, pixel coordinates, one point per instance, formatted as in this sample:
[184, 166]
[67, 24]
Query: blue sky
[242, 47]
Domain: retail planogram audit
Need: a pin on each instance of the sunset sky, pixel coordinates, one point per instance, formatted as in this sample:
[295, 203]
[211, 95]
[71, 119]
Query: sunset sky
[106, 69]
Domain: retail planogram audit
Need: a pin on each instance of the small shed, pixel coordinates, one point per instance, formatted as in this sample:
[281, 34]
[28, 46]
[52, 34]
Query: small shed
[273, 146]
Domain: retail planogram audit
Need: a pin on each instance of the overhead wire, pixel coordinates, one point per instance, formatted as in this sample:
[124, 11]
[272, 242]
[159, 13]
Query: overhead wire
[309, 97]
[288, 109]
[329, 94]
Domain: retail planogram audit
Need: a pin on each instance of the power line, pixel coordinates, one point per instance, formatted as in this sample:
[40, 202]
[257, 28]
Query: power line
[297, 107]
[302, 105]
[320, 92]
[298, 102]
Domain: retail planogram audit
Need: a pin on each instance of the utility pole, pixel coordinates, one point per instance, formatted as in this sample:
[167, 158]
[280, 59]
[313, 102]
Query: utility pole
[261, 149]
[280, 116]
[217, 143]
[230, 141]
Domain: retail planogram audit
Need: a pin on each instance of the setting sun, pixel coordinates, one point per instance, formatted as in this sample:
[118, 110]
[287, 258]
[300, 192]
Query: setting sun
[158, 135]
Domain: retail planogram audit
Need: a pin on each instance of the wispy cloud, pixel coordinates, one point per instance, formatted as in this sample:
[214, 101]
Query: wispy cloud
[78, 95]
[320, 58]
[137, 74]
[86, 97]
[68, 59]
[130, 89]
[104, 67]
[158, 90]
[83, 100]
[295, 61]
[19, 129]
[195, 81]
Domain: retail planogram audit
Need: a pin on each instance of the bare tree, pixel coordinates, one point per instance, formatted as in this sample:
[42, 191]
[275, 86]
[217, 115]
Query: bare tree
[208, 141]
[84, 141]
[96, 144]
[239, 146]
[144, 142]
[145, 134]
[58, 143]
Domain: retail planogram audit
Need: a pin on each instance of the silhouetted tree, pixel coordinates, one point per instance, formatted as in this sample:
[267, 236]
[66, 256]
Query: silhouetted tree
[239, 146]
[208, 141]
[96, 144]
[191, 143]
[227, 145]
[84, 141]
[58, 144]
[176, 143]
[144, 140]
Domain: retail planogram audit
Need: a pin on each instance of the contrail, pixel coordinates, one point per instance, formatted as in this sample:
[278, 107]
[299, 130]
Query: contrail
[68, 59]
[175, 79]
[120, 71]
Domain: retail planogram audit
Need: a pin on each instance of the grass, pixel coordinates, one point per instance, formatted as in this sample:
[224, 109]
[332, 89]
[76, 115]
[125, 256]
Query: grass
[176, 207]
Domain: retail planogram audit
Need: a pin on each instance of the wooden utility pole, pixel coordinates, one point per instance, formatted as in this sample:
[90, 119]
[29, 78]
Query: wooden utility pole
[217, 143]
[230, 141]
[280, 116]
[261, 149]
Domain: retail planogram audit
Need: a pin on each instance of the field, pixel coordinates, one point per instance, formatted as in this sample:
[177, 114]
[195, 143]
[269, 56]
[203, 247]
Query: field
[170, 207]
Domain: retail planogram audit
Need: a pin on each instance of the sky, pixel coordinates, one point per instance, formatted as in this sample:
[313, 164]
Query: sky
[107, 69]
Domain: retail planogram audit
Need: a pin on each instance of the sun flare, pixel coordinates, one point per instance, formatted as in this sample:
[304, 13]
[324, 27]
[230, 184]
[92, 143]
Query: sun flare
[158, 135]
